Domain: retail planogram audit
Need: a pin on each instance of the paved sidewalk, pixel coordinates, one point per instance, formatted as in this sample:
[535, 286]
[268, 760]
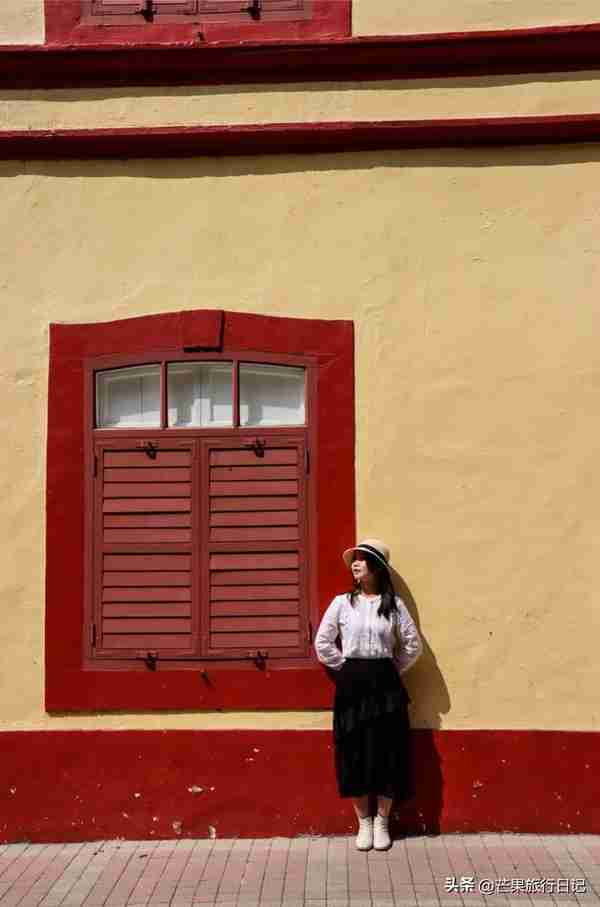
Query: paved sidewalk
[304, 872]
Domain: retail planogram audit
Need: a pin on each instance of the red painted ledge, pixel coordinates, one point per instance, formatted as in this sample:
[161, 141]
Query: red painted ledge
[303, 138]
[91, 785]
[548, 49]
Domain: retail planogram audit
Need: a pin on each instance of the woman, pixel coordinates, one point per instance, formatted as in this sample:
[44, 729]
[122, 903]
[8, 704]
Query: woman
[370, 716]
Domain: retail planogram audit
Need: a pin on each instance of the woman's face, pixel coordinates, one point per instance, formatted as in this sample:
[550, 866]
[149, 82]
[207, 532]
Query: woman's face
[360, 567]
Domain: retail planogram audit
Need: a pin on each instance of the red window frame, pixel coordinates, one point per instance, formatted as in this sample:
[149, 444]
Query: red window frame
[68, 23]
[73, 686]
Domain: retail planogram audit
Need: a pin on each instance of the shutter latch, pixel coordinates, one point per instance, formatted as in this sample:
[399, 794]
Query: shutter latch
[150, 448]
[150, 658]
[258, 446]
[147, 11]
[259, 658]
[254, 9]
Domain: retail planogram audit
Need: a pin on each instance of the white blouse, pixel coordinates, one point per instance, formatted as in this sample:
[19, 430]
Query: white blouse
[366, 635]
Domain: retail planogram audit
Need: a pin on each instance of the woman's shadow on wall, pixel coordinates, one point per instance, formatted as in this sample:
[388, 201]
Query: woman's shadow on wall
[429, 701]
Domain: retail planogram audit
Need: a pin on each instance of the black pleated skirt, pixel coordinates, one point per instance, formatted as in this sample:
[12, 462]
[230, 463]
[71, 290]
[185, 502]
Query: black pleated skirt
[371, 730]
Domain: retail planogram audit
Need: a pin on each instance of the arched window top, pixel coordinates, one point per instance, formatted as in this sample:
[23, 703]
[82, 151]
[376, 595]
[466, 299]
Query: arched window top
[200, 394]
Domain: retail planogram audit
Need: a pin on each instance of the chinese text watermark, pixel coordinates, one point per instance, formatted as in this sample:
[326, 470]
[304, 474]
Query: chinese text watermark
[514, 886]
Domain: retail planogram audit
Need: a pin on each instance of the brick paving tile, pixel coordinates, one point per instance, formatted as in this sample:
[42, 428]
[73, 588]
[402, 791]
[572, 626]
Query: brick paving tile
[10, 853]
[233, 871]
[24, 862]
[24, 877]
[78, 873]
[177, 860]
[404, 894]
[316, 870]
[379, 875]
[128, 880]
[274, 876]
[105, 868]
[252, 878]
[151, 860]
[55, 869]
[194, 868]
[337, 868]
[27, 882]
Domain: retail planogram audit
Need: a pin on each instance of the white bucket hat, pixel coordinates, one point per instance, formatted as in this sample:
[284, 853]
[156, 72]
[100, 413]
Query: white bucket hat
[375, 547]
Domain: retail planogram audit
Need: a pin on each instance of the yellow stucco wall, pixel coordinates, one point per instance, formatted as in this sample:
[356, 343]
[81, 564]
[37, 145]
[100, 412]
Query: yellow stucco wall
[391, 17]
[472, 280]
[413, 99]
[21, 22]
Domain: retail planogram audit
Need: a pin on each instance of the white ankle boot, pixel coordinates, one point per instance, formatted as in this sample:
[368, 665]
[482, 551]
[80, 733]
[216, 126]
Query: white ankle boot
[381, 837]
[364, 838]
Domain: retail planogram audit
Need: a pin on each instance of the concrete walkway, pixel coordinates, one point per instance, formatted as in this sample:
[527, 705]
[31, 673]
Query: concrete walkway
[480, 869]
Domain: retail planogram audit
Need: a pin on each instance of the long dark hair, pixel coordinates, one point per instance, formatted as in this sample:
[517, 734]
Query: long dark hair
[383, 584]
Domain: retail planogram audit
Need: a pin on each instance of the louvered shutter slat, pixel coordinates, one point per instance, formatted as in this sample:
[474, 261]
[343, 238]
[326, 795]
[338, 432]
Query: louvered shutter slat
[143, 550]
[119, 11]
[116, 7]
[175, 7]
[257, 596]
[270, 10]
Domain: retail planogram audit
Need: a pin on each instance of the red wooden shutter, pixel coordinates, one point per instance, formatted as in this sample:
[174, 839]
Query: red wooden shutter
[256, 544]
[118, 12]
[144, 563]
[246, 10]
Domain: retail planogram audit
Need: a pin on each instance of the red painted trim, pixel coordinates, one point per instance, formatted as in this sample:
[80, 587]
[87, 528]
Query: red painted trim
[68, 686]
[303, 138]
[206, 334]
[329, 19]
[81, 785]
[550, 49]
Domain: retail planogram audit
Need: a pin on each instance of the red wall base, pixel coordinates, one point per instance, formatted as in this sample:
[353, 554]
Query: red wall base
[90, 785]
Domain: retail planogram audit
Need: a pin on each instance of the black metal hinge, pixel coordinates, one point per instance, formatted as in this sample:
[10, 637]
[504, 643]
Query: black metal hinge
[255, 9]
[147, 11]
[150, 448]
[258, 446]
[149, 658]
[307, 461]
[259, 658]
[93, 635]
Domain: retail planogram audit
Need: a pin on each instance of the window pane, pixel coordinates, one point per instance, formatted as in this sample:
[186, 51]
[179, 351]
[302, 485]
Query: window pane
[271, 395]
[199, 393]
[128, 397]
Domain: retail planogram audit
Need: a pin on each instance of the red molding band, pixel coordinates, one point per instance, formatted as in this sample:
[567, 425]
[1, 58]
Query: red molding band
[550, 49]
[91, 785]
[304, 138]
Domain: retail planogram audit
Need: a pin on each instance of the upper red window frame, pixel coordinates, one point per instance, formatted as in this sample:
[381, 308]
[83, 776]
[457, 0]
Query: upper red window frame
[330, 344]
[64, 26]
